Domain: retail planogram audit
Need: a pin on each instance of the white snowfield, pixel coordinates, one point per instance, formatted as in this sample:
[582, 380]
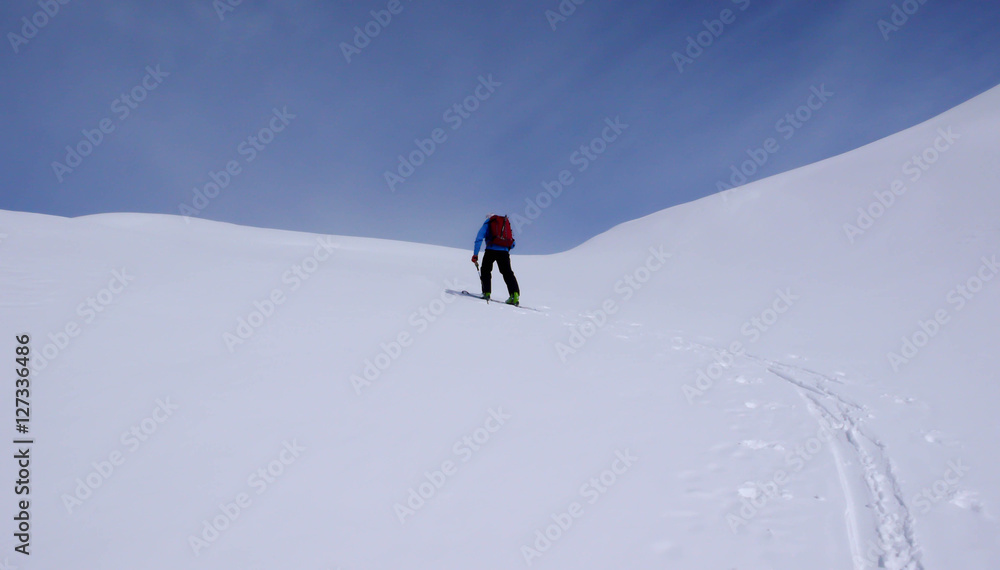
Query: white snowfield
[763, 379]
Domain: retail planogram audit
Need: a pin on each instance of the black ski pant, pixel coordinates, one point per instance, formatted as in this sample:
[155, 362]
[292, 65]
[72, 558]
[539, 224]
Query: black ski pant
[502, 258]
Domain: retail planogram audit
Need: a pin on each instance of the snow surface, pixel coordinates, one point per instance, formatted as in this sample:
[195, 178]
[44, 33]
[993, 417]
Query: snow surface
[850, 463]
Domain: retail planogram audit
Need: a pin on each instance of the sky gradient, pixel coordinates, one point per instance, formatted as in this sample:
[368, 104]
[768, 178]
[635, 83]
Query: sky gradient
[531, 88]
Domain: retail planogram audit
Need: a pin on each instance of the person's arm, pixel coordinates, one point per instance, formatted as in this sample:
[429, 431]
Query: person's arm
[479, 240]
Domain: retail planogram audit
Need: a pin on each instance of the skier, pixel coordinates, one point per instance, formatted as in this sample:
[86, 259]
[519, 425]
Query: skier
[499, 241]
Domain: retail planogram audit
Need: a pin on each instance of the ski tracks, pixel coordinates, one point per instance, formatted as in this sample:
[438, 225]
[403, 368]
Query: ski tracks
[894, 545]
[879, 523]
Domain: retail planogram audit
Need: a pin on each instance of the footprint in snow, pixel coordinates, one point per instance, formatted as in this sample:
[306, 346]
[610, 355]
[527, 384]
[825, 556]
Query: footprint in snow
[969, 500]
[741, 379]
[938, 438]
[758, 444]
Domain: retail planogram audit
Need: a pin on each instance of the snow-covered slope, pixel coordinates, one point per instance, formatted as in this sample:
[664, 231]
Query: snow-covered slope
[711, 386]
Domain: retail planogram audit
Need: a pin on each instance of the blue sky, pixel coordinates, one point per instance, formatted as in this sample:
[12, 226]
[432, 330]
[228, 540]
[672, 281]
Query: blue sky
[542, 94]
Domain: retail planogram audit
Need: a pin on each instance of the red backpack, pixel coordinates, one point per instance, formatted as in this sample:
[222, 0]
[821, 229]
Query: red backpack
[499, 232]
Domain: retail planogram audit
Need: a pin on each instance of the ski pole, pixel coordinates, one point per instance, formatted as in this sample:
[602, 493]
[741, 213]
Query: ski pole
[480, 275]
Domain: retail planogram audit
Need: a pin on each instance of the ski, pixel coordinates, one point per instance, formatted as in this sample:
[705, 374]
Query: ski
[464, 293]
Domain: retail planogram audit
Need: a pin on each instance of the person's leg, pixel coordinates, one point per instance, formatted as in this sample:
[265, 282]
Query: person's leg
[503, 263]
[486, 271]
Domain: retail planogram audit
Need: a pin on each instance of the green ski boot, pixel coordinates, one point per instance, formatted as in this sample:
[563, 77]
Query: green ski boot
[514, 299]
[486, 296]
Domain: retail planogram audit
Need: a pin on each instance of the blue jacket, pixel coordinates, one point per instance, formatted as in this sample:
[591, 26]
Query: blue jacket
[482, 235]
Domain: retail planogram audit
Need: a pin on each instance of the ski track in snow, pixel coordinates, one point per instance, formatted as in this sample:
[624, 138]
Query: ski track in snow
[895, 545]
[858, 455]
